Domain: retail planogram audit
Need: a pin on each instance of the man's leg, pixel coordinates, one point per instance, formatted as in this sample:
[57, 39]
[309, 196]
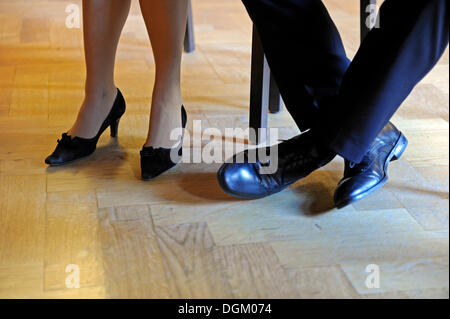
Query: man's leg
[391, 61]
[304, 51]
[393, 58]
[308, 60]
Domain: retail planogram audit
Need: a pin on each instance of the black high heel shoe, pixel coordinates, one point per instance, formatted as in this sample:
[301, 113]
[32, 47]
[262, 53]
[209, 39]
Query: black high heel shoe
[155, 161]
[71, 149]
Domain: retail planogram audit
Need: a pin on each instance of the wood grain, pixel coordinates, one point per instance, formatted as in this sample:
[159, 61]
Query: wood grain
[180, 236]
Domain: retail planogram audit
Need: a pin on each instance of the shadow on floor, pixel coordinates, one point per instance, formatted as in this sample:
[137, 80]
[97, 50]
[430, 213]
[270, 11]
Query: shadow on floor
[204, 185]
[314, 197]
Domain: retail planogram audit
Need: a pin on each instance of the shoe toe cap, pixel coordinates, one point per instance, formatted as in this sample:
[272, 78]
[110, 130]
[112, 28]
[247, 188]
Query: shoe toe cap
[240, 180]
[353, 189]
[53, 160]
[60, 158]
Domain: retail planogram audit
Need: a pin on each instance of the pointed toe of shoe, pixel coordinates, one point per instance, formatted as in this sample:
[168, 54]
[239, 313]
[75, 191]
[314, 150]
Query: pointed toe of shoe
[149, 175]
[62, 157]
[344, 194]
[354, 189]
[53, 160]
[155, 162]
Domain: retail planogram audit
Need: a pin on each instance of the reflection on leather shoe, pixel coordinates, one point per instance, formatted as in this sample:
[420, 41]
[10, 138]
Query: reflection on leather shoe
[297, 158]
[371, 174]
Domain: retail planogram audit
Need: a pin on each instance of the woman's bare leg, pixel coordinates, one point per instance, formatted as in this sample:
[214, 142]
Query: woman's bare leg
[166, 26]
[103, 21]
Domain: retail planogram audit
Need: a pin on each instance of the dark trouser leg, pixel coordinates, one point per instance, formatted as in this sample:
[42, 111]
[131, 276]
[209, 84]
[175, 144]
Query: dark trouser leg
[411, 38]
[304, 51]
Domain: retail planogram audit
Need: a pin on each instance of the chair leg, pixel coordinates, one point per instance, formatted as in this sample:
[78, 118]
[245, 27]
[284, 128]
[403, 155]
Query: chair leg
[275, 100]
[259, 90]
[264, 92]
[189, 39]
[368, 16]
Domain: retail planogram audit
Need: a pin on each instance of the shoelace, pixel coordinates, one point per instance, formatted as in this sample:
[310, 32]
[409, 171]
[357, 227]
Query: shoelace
[365, 164]
[295, 159]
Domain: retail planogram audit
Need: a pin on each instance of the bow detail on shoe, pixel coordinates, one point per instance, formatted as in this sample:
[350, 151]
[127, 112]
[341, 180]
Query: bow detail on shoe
[160, 152]
[71, 149]
[67, 141]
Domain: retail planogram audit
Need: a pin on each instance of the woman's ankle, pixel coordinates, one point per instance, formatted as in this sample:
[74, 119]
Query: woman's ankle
[100, 92]
[162, 125]
[93, 111]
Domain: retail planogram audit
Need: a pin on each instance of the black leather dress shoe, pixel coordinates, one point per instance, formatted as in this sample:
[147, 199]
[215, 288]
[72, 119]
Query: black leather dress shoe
[155, 161]
[297, 158]
[71, 149]
[371, 174]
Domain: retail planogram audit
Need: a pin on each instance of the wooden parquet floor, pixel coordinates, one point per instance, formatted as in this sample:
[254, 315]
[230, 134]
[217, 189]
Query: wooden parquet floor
[179, 236]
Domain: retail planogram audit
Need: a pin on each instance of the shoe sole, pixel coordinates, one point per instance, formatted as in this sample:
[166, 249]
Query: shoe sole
[396, 153]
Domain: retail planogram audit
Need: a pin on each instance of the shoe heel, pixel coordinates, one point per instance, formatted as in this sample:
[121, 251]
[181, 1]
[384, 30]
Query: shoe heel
[115, 128]
[400, 148]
